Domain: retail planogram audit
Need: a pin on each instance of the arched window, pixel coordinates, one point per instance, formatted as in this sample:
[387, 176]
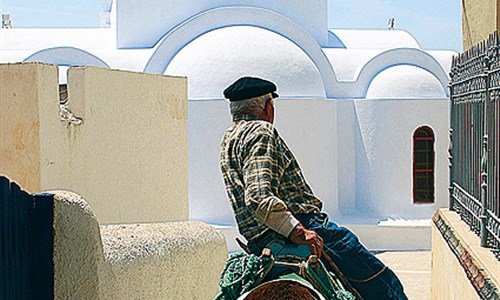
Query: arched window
[423, 165]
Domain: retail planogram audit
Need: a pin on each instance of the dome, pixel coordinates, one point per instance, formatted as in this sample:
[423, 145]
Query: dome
[216, 59]
[405, 82]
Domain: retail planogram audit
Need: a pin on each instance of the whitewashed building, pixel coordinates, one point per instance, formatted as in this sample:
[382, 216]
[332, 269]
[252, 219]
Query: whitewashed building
[366, 112]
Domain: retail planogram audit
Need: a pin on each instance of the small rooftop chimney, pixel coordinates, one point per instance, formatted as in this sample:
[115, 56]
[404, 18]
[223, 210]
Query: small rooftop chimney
[390, 24]
[6, 21]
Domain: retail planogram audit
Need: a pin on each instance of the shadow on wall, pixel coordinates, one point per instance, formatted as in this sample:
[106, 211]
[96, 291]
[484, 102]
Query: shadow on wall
[364, 201]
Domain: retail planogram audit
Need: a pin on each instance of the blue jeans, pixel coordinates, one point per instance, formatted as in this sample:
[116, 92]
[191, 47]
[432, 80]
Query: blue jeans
[356, 263]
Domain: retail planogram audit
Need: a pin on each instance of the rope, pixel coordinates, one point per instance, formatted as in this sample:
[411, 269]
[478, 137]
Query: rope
[369, 278]
[340, 275]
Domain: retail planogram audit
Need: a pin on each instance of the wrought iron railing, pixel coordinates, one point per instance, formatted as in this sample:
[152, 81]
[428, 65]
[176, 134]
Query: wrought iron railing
[474, 134]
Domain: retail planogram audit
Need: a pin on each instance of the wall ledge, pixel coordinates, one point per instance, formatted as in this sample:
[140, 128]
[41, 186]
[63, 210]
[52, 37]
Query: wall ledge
[169, 260]
[478, 263]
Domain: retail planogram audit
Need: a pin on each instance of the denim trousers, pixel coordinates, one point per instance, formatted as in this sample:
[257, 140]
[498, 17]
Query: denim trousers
[366, 273]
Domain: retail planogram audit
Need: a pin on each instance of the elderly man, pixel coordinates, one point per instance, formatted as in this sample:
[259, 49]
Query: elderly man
[272, 200]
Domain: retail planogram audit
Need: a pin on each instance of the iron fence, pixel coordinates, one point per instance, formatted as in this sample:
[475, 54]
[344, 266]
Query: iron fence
[474, 134]
[26, 243]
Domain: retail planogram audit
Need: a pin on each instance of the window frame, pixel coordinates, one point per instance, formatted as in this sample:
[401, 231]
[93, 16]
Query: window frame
[429, 136]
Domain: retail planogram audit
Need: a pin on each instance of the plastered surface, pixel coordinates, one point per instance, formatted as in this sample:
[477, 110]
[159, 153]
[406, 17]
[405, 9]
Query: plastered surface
[176, 260]
[125, 150]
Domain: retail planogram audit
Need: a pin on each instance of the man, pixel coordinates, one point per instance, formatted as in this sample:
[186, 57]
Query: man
[271, 199]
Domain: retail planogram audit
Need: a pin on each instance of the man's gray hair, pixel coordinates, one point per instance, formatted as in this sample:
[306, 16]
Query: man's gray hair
[255, 104]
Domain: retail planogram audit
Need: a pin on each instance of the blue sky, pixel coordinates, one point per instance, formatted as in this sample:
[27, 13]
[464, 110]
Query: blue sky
[436, 24]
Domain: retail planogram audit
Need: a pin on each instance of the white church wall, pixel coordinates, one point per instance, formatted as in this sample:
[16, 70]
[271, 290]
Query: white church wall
[356, 154]
[384, 155]
[207, 122]
[346, 61]
[406, 82]
[359, 188]
[399, 56]
[182, 35]
[307, 125]
[346, 161]
[375, 39]
[216, 59]
[35, 39]
[11, 56]
[68, 56]
[443, 57]
[356, 68]
[374, 180]
[157, 17]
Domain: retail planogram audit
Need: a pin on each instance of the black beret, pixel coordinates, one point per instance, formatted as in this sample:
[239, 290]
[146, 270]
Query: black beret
[249, 87]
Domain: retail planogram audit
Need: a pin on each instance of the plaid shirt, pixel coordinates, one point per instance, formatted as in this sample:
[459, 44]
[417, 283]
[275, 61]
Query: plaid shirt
[261, 175]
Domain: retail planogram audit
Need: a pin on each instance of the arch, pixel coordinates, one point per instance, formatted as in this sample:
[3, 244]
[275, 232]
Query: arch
[396, 57]
[218, 18]
[67, 56]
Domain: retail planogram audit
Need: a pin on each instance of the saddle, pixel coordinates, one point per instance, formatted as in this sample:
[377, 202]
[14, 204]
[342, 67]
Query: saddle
[245, 274]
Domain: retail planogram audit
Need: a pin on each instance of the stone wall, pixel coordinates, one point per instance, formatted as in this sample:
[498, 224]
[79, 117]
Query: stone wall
[121, 142]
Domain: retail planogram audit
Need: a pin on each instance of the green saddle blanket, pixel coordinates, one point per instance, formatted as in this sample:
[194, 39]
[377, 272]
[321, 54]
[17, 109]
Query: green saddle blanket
[244, 272]
[241, 273]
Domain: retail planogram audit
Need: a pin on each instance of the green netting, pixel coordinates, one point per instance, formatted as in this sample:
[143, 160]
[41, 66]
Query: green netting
[241, 273]
[244, 272]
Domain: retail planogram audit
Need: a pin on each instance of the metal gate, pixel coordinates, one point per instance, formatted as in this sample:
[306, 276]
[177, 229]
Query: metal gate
[474, 134]
[26, 243]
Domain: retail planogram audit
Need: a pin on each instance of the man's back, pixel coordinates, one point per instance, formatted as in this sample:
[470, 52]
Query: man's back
[261, 174]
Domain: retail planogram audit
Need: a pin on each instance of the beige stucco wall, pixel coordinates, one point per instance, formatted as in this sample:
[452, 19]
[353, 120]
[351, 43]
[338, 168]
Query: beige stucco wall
[128, 156]
[449, 280]
[77, 248]
[20, 88]
[479, 19]
[175, 260]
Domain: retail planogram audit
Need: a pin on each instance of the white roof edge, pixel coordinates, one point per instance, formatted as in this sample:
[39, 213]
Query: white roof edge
[352, 38]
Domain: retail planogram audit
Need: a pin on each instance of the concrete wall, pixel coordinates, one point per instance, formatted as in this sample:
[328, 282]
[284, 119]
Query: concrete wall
[177, 260]
[459, 265]
[479, 19]
[126, 151]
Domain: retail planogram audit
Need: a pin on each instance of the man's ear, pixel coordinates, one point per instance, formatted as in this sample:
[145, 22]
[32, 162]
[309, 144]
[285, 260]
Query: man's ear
[269, 107]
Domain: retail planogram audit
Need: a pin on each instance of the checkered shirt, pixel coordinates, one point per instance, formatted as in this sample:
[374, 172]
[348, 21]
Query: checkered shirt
[261, 175]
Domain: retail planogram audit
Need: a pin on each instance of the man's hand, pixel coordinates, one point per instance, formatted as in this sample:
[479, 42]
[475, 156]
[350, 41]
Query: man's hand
[300, 235]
